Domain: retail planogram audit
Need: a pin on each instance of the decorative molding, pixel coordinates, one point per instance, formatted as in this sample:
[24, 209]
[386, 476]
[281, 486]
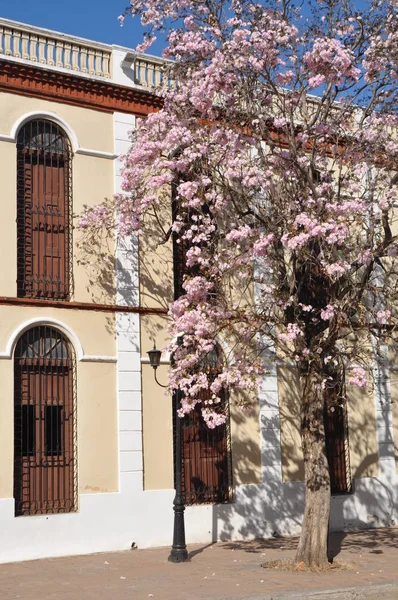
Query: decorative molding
[163, 361]
[114, 308]
[71, 335]
[40, 321]
[28, 80]
[98, 358]
[97, 153]
[51, 116]
[6, 138]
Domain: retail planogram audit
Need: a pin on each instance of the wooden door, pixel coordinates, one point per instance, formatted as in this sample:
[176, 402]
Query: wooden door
[46, 260]
[205, 460]
[44, 457]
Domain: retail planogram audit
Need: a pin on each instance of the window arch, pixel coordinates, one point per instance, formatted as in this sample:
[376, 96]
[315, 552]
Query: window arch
[44, 423]
[207, 462]
[44, 192]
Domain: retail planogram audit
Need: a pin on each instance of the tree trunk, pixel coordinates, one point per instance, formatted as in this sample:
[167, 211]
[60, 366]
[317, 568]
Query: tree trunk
[312, 548]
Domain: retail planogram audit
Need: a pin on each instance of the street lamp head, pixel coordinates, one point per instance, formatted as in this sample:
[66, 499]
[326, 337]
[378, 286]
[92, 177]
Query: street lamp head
[154, 357]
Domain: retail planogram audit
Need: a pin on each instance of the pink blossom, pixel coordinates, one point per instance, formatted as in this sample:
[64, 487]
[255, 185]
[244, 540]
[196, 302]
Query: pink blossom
[275, 231]
[293, 332]
[213, 419]
[330, 62]
[336, 269]
[280, 122]
[239, 235]
[358, 377]
[327, 313]
[383, 316]
[146, 44]
[261, 245]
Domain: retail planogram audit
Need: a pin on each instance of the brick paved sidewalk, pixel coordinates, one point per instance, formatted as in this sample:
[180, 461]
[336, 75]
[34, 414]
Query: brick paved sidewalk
[215, 572]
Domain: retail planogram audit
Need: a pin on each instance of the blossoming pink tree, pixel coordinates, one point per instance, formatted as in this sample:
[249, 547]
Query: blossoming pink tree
[280, 144]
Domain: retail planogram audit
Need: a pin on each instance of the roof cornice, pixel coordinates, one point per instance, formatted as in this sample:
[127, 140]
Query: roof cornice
[28, 80]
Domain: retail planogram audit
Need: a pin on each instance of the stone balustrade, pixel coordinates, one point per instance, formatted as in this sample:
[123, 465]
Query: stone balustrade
[147, 71]
[54, 49]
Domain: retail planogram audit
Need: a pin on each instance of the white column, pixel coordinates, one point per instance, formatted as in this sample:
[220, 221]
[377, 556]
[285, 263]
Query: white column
[128, 336]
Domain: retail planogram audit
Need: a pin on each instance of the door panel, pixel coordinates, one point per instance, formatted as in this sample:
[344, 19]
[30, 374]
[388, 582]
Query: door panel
[206, 460]
[44, 428]
[44, 163]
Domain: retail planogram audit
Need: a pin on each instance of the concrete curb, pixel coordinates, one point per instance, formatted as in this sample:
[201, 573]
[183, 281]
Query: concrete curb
[370, 591]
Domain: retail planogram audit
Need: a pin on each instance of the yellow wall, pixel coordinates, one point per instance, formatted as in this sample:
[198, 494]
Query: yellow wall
[6, 429]
[245, 438]
[362, 436]
[290, 420]
[158, 431]
[93, 180]
[8, 228]
[156, 290]
[94, 129]
[157, 421]
[97, 428]
[97, 457]
[364, 457]
[394, 408]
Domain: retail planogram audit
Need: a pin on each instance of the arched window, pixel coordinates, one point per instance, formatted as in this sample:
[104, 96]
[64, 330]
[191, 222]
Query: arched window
[207, 464]
[44, 423]
[44, 166]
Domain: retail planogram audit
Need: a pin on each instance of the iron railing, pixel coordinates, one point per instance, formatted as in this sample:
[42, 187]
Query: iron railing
[337, 442]
[45, 442]
[206, 458]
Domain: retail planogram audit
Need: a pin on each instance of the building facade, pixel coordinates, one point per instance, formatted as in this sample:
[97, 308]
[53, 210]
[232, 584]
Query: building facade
[86, 434]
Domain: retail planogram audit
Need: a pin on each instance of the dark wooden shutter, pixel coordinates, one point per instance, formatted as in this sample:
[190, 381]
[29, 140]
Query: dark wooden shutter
[44, 428]
[336, 437]
[44, 161]
[206, 459]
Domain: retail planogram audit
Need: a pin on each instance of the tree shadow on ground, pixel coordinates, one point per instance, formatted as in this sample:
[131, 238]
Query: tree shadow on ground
[376, 541]
[260, 545]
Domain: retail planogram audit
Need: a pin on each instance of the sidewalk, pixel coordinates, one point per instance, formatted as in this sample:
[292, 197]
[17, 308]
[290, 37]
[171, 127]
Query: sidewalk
[216, 572]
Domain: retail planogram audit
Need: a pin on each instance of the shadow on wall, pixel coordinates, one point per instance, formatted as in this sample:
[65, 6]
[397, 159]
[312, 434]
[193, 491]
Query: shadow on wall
[95, 255]
[267, 509]
[274, 507]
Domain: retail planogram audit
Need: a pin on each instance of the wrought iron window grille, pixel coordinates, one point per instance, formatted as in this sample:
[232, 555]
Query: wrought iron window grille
[44, 212]
[45, 436]
[337, 441]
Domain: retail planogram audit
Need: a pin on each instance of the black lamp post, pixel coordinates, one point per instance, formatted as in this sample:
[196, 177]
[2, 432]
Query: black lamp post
[179, 552]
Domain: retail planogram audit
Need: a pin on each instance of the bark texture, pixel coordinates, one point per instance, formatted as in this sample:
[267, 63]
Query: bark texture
[312, 548]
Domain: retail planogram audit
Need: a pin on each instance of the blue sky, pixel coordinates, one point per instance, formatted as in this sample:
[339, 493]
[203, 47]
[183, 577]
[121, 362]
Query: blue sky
[92, 19]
